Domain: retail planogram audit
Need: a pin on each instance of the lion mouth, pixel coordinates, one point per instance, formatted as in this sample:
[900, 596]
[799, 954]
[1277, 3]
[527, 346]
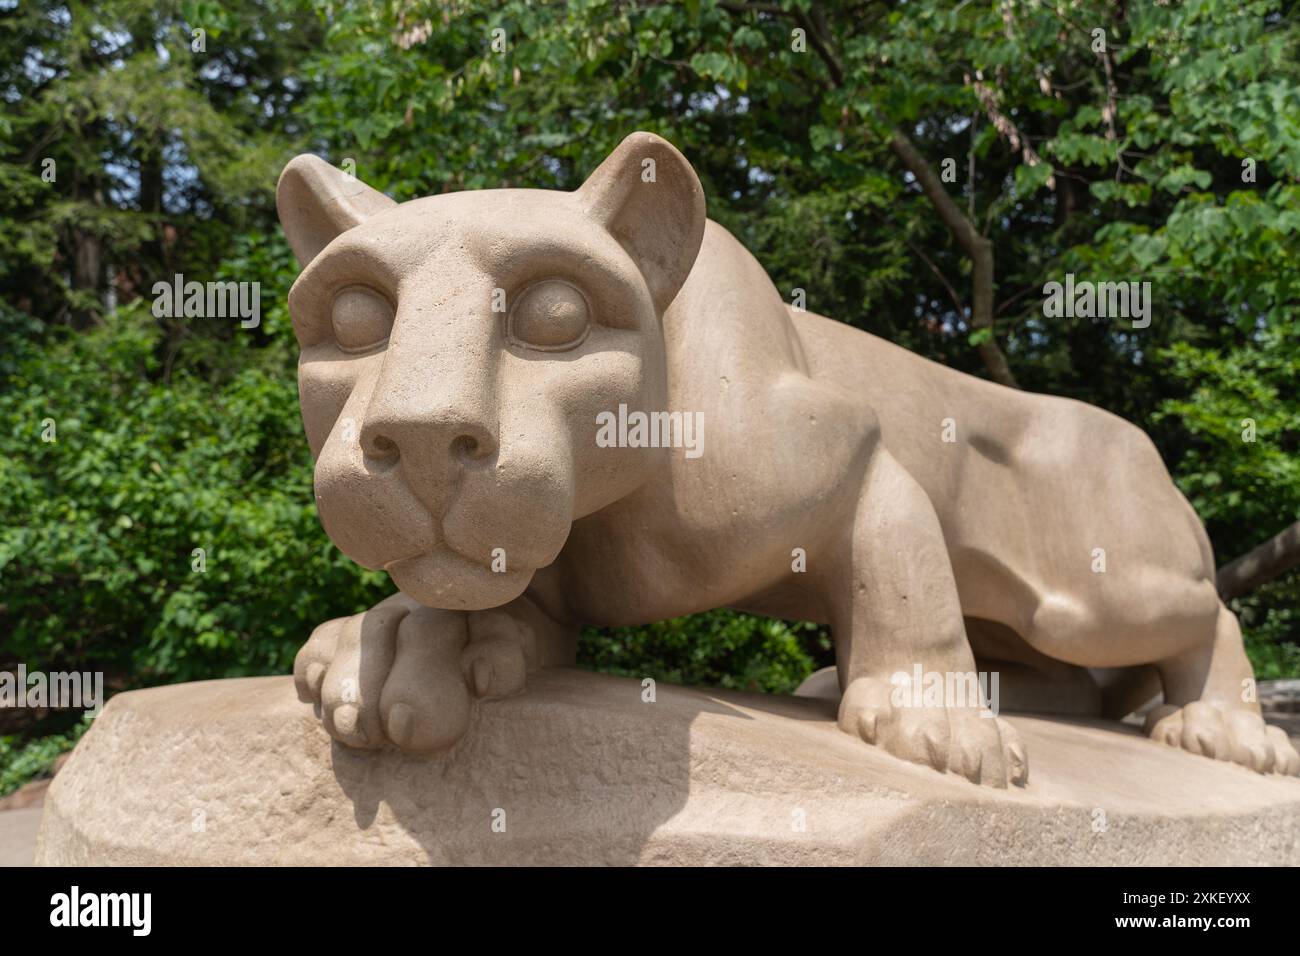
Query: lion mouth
[437, 555]
[413, 556]
[446, 579]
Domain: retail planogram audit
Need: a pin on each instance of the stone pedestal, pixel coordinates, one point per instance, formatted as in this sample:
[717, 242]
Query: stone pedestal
[581, 770]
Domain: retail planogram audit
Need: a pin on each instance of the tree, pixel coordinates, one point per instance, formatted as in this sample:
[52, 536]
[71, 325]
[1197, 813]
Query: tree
[919, 170]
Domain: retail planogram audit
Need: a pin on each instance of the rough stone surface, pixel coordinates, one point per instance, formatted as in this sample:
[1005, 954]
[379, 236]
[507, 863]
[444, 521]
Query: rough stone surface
[240, 772]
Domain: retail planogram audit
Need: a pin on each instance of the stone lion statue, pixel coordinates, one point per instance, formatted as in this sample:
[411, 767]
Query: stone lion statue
[460, 354]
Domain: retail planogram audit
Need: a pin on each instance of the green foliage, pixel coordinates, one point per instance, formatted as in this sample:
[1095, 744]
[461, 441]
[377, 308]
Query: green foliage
[1273, 657]
[721, 649]
[176, 434]
[22, 762]
[1242, 472]
[153, 459]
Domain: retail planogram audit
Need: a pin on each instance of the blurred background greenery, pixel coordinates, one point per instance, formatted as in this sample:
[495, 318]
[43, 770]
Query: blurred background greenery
[142, 138]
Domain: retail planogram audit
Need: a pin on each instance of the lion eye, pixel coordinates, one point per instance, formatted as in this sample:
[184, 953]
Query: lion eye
[550, 315]
[362, 319]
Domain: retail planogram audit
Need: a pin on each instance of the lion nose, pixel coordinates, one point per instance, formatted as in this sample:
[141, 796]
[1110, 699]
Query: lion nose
[386, 439]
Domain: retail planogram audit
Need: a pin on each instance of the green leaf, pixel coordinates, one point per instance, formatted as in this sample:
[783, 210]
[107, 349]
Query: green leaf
[1029, 179]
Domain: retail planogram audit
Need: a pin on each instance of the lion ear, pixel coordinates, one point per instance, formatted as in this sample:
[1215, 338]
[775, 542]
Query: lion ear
[648, 197]
[317, 202]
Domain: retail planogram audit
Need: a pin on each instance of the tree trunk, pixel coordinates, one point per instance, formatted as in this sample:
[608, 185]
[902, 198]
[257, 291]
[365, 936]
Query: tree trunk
[87, 268]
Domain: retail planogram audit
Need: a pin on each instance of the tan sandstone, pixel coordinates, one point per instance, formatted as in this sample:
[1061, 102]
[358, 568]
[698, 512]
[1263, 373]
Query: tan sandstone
[585, 771]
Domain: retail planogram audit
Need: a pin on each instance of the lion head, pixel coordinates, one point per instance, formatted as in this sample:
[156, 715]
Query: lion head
[456, 352]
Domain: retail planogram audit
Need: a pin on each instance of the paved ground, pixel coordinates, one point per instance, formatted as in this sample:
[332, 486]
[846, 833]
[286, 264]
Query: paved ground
[18, 835]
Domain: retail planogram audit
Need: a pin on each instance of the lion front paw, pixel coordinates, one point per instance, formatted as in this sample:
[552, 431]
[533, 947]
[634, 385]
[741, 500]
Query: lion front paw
[406, 674]
[1224, 733]
[969, 741]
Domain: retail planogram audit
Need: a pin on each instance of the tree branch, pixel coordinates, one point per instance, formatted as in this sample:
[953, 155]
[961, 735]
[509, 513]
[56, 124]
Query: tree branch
[952, 293]
[976, 246]
[821, 46]
[1275, 556]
